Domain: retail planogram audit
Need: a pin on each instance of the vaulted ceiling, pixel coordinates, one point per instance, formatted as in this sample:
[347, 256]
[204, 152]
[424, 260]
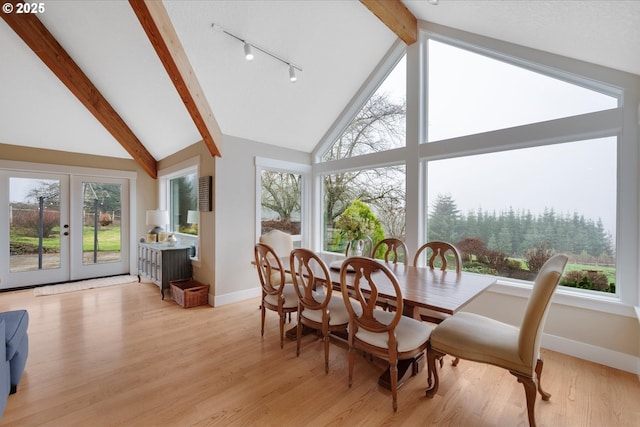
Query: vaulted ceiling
[336, 44]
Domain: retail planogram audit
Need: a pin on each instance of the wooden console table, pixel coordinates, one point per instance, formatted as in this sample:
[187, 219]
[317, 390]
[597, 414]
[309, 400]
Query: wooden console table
[162, 263]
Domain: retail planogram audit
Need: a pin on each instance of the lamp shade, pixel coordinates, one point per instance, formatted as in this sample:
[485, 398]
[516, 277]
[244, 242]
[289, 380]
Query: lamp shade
[193, 217]
[157, 218]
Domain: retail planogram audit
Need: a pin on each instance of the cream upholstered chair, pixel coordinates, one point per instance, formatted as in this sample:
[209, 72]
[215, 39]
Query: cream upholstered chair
[280, 242]
[481, 339]
[277, 294]
[384, 334]
[395, 250]
[318, 307]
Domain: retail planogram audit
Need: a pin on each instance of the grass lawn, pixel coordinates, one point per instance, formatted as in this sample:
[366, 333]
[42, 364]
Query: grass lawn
[108, 239]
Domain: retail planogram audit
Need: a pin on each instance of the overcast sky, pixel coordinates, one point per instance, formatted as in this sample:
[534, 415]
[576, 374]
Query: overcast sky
[469, 94]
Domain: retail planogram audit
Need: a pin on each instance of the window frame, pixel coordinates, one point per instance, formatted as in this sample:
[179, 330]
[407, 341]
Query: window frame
[184, 168]
[268, 164]
[620, 122]
[606, 123]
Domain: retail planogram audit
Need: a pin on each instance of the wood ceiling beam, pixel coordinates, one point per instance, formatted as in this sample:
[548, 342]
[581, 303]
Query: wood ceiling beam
[47, 48]
[156, 23]
[395, 15]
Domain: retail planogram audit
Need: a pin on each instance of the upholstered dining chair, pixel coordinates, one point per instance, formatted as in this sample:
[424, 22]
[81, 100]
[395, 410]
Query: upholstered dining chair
[517, 349]
[384, 334]
[278, 294]
[395, 250]
[439, 251]
[280, 242]
[318, 307]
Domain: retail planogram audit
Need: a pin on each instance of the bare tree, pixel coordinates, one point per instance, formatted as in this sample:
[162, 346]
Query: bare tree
[281, 193]
[379, 126]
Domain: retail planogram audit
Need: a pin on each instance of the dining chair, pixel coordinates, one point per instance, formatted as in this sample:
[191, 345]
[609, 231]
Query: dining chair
[318, 307]
[281, 242]
[367, 250]
[439, 251]
[485, 340]
[278, 293]
[385, 334]
[395, 250]
[430, 253]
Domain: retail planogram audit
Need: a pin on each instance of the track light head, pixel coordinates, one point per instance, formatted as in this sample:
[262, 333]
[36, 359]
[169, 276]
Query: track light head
[248, 54]
[292, 74]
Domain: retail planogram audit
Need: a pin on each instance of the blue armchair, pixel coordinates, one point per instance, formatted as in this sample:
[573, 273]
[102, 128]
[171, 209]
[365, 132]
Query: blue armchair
[5, 375]
[13, 355]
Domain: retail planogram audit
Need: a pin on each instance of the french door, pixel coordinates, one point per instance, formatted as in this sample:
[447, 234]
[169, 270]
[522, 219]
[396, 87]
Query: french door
[60, 227]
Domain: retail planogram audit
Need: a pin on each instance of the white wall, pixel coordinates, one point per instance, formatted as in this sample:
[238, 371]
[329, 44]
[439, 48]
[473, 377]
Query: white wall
[235, 213]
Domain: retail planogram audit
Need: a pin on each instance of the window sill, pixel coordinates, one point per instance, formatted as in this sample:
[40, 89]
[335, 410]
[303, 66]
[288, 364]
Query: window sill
[569, 297]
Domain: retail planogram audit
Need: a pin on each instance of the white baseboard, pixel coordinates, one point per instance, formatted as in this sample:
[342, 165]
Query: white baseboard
[603, 356]
[236, 296]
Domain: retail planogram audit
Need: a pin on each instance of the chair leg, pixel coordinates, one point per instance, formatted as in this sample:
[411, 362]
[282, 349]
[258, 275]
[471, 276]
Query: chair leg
[262, 315]
[454, 362]
[325, 338]
[393, 370]
[544, 394]
[432, 373]
[530, 386]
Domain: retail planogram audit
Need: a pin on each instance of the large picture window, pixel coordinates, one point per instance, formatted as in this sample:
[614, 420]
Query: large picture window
[179, 196]
[509, 211]
[281, 199]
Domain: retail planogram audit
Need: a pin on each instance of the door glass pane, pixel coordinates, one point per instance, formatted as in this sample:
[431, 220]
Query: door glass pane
[34, 224]
[281, 201]
[101, 236]
[471, 93]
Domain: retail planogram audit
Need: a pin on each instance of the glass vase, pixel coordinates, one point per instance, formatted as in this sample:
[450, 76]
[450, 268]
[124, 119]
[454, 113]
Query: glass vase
[356, 247]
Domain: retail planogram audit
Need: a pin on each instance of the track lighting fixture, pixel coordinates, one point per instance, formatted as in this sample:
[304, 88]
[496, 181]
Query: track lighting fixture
[292, 74]
[249, 56]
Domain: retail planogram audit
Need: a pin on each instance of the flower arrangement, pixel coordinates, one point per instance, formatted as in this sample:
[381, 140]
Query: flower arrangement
[353, 226]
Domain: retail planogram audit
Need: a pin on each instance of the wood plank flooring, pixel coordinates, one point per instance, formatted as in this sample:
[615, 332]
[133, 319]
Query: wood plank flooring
[119, 356]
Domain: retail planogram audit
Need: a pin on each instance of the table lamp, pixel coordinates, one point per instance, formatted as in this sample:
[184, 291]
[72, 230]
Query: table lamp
[157, 219]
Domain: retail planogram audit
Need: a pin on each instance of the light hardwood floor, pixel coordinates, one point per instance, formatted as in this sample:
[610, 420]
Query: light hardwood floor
[119, 356]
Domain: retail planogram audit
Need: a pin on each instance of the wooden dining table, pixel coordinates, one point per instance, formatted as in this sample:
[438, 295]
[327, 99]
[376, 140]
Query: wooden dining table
[444, 291]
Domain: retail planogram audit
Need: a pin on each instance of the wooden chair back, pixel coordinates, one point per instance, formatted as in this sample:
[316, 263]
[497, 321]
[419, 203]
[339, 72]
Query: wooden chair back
[361, 286]
[395, 250]
[439, 250]
[308, 272]
[270, 269]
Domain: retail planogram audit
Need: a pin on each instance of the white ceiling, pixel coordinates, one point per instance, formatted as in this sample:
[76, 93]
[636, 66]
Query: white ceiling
[336, 43]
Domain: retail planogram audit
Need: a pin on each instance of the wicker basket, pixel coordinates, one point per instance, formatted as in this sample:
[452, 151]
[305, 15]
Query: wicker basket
[189, 293]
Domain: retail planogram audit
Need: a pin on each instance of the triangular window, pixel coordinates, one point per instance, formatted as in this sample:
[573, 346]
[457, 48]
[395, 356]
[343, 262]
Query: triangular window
[380, 124]
[471, 93]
